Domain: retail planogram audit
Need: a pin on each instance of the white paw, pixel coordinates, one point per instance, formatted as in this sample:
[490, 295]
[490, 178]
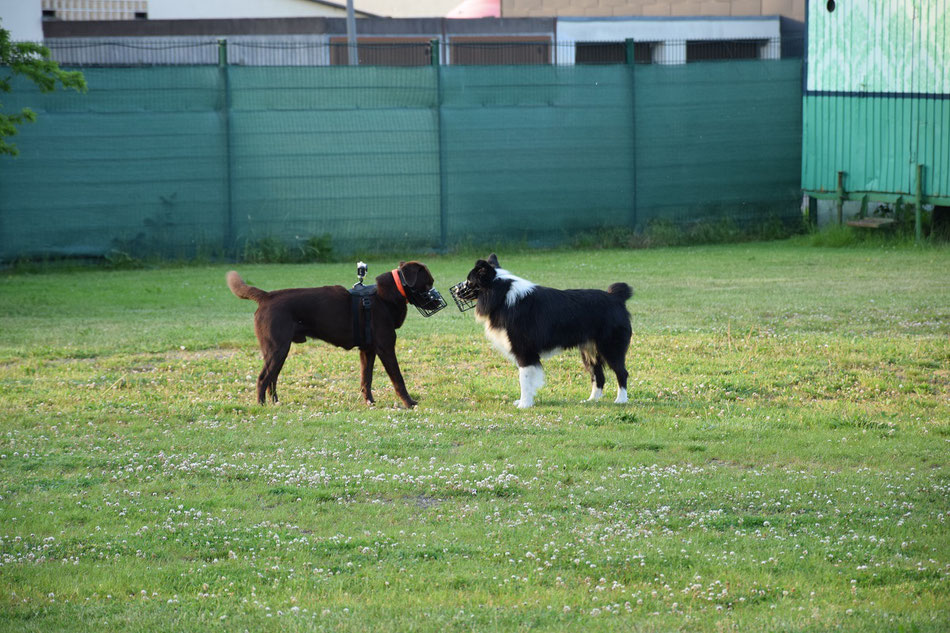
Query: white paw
[595, 394]
[621, 396]
[523, 404]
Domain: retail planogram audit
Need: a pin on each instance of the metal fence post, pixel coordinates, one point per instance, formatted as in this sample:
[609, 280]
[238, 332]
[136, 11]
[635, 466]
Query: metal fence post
[839, 191]
[352, 54]
[434, 59]
[632, 63]
[918, 203]
[226, 84]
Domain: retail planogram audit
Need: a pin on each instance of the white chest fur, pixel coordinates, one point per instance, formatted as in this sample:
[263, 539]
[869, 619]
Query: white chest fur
[498, 337]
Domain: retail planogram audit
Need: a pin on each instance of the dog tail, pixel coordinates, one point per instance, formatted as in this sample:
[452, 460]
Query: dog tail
[621, 290]
[242, 290]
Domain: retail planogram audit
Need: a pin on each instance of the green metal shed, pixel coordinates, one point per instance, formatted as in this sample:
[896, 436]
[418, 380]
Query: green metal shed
[876, 110]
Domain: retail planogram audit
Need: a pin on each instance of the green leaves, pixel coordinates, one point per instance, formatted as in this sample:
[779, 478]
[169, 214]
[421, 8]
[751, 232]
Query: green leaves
[32, 61]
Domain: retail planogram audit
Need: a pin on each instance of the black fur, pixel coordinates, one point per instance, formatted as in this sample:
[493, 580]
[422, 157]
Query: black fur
[542, 320]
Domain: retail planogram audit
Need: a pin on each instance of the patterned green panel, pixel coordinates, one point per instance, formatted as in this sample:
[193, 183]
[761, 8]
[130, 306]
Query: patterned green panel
[883, 46]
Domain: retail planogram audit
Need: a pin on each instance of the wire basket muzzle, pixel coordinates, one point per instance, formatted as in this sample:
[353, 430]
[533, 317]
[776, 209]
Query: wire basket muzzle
[465, 295]
[428, 303]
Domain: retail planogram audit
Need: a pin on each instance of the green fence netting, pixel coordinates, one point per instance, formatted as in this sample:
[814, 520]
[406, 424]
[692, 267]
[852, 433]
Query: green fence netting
[352, 153]
[536, 153]
[181, 162]
[718, 139]
[135, 163]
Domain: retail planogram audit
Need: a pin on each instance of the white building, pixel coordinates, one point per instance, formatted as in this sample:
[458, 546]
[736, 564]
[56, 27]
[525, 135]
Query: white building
[24, 18]
[310, 32]
[673, 40]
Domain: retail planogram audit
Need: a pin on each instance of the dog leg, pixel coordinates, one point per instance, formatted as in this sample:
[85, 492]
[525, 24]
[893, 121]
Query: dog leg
[392, 368]
[614, 352]
[617, 365]
[367, 360]
[596, 384]
[274, 357]
[531, 379]
[595, 367]
[597, 389]
[263, 382]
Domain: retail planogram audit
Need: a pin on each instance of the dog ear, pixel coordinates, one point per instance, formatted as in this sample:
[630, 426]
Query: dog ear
[483, 273]
[493, 260]
[410, 273]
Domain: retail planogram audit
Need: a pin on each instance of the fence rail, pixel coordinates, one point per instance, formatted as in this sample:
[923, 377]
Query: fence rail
[325, 50]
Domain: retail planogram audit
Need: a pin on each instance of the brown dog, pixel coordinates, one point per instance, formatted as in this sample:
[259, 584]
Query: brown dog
[326, 313]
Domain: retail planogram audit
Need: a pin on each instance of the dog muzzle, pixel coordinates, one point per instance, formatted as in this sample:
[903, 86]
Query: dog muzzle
[427, 303]
[465, 295]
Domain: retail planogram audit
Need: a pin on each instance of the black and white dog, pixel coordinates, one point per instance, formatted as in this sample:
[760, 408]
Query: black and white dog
[527, 322]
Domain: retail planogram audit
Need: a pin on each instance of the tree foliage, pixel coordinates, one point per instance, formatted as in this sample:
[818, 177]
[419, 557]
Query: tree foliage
[33, 62]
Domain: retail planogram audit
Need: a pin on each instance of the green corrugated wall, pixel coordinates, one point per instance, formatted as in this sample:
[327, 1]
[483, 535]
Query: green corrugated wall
[877, 142]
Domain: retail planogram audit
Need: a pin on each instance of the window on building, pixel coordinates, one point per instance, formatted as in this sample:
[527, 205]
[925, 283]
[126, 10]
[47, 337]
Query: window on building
[94, 9]
[612, 52]
[383, 51]
[500, 50]
[699, 50]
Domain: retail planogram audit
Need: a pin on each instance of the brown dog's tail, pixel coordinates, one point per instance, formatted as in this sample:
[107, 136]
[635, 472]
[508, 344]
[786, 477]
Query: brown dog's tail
[242, 290]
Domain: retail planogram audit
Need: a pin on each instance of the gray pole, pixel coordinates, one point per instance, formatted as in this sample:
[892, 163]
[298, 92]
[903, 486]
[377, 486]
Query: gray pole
[351, 56]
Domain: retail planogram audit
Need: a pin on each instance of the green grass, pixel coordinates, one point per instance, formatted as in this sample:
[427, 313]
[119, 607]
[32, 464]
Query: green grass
[781, 466]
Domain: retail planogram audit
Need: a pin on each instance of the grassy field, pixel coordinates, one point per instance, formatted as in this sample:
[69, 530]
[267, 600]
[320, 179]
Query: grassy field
[782, 464]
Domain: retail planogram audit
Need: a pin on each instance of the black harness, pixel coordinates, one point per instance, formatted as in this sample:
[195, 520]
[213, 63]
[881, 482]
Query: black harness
[361, 298]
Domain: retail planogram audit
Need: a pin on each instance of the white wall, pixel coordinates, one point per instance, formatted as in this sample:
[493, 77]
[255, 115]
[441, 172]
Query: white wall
[226, 9]
[23, 18]
[660, 29]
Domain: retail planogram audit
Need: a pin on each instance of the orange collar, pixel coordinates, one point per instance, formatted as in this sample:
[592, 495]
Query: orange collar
[399, 287]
